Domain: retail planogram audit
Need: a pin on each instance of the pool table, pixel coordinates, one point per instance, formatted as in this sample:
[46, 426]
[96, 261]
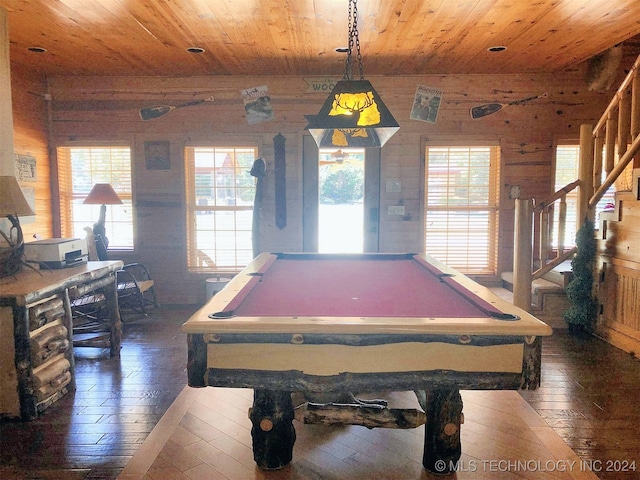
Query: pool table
[336, 325]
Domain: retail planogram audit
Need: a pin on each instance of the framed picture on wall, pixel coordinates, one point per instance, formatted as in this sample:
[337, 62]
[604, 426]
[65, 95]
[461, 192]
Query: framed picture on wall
[25, 168]
[426, 104]
[156, 155]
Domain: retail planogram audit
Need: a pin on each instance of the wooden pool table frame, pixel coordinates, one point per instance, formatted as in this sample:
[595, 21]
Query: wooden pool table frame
[434, 357]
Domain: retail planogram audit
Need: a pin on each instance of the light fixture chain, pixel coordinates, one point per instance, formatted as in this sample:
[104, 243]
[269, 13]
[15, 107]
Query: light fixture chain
[354, 41]
[348, 74]
[356, 38]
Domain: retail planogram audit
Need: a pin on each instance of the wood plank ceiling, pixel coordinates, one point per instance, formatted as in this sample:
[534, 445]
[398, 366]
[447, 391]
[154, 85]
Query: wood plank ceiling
[299, 37]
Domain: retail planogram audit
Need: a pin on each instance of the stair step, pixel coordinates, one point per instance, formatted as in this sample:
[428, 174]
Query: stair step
[548, 299]
[560, 276]
[538, 286]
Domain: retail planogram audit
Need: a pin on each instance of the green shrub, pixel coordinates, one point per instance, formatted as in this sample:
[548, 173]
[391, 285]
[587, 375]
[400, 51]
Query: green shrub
[583, 312]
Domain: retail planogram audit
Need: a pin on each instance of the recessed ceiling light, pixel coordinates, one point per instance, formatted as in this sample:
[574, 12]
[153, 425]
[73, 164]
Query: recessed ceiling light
[195, 50]
[37, 49]
[499, 48]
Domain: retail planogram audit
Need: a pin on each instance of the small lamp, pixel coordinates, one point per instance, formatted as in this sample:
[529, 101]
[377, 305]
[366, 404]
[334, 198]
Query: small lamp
[12, 204]
[102, 194]
[353, 115]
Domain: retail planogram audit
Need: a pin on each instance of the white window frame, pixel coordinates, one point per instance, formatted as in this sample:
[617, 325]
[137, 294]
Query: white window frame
[228, 247]
[437, 242]
[75, 184]
[572, 148]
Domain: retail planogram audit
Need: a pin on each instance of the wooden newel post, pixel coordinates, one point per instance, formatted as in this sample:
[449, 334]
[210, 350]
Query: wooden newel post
[586, 175]
[522, 253]
[272, 432]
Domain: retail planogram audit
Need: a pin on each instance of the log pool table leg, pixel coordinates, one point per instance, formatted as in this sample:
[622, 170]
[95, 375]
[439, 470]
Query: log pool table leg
[272, 433]
[442, 431]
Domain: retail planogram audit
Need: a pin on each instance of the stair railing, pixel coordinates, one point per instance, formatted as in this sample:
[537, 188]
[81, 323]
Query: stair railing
[525, 257]
[605, 151]
[615, 140]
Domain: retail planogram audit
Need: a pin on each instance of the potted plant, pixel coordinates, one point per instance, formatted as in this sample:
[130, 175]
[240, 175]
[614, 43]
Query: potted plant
[581, 315]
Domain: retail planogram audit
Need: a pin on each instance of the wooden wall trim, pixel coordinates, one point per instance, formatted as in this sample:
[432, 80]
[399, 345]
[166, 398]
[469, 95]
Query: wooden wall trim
[6, 112]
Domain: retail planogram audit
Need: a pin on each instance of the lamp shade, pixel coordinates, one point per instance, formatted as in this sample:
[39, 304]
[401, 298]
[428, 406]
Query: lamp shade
[12, 201]
[352, 116]
[102, 194]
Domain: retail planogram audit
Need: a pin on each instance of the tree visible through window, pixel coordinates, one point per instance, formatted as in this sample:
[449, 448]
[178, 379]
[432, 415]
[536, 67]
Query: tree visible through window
[461, 206]
[220, 194]
[79, 168]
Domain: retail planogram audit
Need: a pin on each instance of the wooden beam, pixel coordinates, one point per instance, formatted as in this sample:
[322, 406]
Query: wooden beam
[7, 166]
[370, 416]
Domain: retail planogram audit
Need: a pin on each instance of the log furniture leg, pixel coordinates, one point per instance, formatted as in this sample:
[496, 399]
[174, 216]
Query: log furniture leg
[272, 432]
[115, 322]
[442, 431]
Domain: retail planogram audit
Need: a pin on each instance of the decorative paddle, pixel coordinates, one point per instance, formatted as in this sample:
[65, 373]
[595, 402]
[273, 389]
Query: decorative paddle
[481, 111]
[149, 113]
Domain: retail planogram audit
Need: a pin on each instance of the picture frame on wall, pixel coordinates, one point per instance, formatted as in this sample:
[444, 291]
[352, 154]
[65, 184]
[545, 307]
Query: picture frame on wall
[25, 168]
[157, 155]
[426, 104]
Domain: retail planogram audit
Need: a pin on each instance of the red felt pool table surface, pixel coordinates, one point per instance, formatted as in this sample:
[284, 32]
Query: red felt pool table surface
[363, 293]
[356, 286]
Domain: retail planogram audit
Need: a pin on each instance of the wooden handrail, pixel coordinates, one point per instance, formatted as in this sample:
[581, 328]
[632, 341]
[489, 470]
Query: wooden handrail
[626, 83]
[616, 172]
[554, 263]
[556, 196]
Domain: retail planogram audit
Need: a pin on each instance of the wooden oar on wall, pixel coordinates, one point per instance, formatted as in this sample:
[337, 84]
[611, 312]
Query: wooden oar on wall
[481, 111]
[149, 113]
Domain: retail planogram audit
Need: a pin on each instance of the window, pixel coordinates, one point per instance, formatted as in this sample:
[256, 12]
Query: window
[567, 171]
[79, 168]
[567, 166]
[220, 194]
[461, 206]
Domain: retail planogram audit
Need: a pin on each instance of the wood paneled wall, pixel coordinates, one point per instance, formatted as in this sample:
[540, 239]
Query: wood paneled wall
[30, 137]
[619, 281]
[98, 109]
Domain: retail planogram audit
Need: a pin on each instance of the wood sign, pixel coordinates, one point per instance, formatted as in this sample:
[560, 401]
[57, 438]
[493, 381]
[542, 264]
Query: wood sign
[320, 84]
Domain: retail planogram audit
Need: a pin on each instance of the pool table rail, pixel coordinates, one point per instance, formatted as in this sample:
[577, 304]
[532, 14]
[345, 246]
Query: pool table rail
[362, 364]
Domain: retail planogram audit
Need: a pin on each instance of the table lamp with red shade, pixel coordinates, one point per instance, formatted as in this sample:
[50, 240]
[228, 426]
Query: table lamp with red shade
[12, 204]
[102, 194]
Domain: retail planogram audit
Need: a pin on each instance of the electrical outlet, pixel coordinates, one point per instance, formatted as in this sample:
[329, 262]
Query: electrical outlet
[395, 210]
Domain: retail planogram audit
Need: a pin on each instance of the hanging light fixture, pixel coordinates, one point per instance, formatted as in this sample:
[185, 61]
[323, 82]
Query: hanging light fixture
[354, 114]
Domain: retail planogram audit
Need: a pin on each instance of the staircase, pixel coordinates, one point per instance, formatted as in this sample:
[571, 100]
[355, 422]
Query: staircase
[548, 298]
[606, 151]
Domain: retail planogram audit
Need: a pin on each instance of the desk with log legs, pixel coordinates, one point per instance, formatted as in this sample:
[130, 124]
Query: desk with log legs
[36, 344]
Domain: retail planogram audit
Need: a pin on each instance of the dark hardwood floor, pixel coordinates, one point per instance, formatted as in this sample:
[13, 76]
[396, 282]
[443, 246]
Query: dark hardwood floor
[589, 396]
[93, 433]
